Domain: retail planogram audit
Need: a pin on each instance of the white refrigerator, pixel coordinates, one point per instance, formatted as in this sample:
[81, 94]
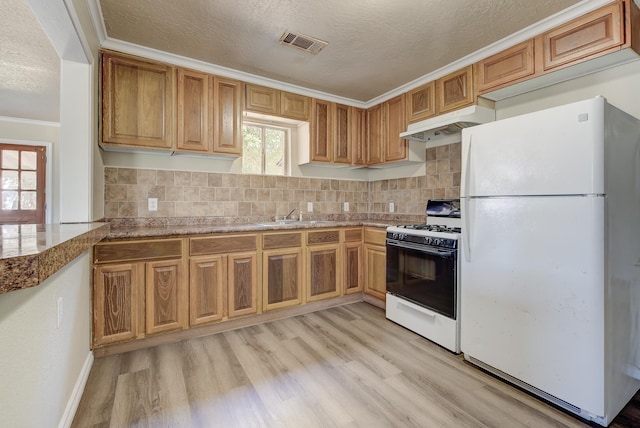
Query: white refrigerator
[550, 274]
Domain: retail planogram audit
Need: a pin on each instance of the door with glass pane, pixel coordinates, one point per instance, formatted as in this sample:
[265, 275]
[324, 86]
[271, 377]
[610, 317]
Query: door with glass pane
[22, 183]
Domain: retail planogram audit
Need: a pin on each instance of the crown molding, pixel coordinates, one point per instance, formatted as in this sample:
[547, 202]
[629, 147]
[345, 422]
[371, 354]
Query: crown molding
[529, 32]
[553, 21]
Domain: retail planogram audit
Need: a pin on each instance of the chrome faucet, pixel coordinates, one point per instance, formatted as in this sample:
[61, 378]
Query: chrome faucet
[290, 212]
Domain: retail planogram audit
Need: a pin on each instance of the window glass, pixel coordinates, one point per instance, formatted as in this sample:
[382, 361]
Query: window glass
[22, 184]
[264, 149]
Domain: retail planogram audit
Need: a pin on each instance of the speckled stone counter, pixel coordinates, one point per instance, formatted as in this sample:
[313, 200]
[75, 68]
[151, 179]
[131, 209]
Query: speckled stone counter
[123, 232]
[31, 253]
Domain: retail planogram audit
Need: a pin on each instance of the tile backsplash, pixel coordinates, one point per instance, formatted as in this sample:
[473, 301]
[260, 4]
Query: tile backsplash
[185, 194]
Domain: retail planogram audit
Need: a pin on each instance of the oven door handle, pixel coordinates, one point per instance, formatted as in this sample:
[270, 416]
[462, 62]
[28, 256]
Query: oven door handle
[421, 248]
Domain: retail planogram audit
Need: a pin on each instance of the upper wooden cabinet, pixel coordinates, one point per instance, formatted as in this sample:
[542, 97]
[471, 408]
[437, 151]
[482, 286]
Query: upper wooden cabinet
[331, 132]
[294, 106]
[385, 122]
[375, 132]
[608, 36]
[455, 90]
[260, 99]
[358, 135]
[193, 110]
[395, 148]
[590, 34]
[421, 102]
[137, 102]
[227, 115]
[209, 114]
[509, 66]
[321, 129]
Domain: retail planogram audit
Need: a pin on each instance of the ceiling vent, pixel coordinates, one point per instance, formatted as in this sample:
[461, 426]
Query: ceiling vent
[300, 41]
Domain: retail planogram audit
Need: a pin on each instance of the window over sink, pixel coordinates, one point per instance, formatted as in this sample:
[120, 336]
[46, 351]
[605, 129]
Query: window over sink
[265, 149]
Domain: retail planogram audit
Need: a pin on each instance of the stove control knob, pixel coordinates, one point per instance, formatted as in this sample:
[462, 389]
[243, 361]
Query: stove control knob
[438, 241]
[428, 240]
[402, 236]
[395, 235]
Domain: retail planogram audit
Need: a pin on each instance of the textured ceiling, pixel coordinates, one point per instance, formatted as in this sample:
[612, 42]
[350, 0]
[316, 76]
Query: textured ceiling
[374, 45]
[29, 66]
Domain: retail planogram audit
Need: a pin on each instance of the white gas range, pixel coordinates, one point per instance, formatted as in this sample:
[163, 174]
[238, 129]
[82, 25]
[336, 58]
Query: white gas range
[423, 274]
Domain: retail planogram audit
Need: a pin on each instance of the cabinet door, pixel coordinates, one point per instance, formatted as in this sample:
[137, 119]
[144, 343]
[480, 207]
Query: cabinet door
[358, 135]
[506, 67]
[321, 131]
[588, 35]
[352, 267]
[374, 135]
[243, 284]
[282, 278]
[118, 303]
[395, 148]
[455, 90]
[295, 106]
[137, 102]
[227, 116]
[193, 111]
[324, 272]
[342, 133]
[166, 296]
[261, 99]
[206, 286]
[421, 102]
[375, 282]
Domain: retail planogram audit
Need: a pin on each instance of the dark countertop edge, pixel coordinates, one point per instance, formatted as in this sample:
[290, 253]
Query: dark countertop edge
[167, 231]
[30, 270]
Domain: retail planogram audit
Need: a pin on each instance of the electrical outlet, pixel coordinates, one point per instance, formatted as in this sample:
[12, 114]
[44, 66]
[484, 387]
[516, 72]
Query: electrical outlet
[59, 317]
[309, 207]
[153, 204]
[345, 207]
[392, 207]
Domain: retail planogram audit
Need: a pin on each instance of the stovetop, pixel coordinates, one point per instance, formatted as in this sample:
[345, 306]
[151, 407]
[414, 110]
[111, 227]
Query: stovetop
[431, 228]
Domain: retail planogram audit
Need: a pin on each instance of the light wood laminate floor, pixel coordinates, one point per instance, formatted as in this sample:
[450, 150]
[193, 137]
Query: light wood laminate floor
[341, 367]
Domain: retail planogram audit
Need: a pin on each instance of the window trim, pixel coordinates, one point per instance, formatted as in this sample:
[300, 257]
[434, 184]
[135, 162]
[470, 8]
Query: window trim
[287, 149]
[48, 186]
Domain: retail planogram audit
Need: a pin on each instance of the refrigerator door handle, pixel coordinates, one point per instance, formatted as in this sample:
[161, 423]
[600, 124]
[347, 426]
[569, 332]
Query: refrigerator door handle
[466, 242]
[467, 168]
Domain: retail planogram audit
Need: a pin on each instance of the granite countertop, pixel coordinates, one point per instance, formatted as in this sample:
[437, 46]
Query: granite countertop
[120, 232]
[31, 253]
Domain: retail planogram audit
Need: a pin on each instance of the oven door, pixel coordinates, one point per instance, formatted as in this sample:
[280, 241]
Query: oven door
[424, 275]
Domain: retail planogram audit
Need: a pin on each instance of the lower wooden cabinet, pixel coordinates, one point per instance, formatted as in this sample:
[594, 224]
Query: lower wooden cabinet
[166, 296]
[118, 303]
[146, 287]
[281, 278]
[375, 262]
[324, 265]
[242, 285]
[132, 300]
[352, 261]
[206, 289]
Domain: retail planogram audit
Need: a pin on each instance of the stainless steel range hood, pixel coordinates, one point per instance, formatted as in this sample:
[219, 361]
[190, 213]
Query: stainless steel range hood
[446, 128]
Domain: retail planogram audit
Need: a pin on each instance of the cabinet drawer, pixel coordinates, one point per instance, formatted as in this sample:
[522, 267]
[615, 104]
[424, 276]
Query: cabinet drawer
[593, 33]
[351, 235]
[137, 250]
[222, 244]
[281, 240]
[323, 237]
[375, 235]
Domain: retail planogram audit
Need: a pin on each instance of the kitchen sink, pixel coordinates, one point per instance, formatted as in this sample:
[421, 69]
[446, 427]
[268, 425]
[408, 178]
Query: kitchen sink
[289, 222]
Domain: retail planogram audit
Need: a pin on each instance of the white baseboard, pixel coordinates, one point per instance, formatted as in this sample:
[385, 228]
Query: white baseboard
[76, 395]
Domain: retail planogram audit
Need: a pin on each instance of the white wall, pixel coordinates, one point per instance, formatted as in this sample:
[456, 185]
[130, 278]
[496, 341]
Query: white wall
[40, 364]
[620, 85]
